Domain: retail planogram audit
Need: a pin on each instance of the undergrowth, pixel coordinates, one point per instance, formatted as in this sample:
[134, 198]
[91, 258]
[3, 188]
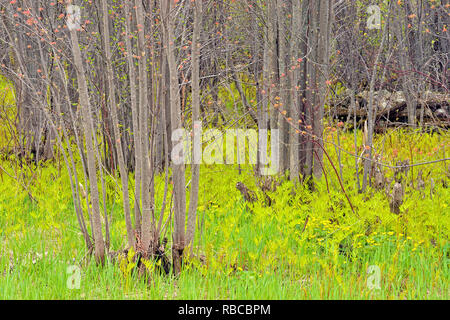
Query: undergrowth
[306, 245]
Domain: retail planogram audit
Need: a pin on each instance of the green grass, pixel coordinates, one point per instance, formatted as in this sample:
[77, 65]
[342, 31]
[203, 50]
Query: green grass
[251, 253]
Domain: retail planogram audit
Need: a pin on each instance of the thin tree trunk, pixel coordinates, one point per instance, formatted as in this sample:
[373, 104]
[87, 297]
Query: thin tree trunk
[311, 92]
[179, 195]
[135, 119]
[196, 158]
[371, 108]
[322, 77]
[283, 85]
[117, 139]
[144, 105]
[294, 140]
[272, 79]
[89, 132]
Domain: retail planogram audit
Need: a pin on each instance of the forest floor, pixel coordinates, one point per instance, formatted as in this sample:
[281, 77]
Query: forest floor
[306, 245]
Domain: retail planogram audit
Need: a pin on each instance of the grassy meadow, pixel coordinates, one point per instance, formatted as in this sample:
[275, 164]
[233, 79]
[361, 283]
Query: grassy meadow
[306, 245]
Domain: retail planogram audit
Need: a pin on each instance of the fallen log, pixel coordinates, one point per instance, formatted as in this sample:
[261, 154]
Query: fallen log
[391, 107]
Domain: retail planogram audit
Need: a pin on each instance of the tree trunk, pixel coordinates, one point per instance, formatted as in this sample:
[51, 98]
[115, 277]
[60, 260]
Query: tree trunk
[179, 195]
[89, 133]
[117, 139]
[196, 127]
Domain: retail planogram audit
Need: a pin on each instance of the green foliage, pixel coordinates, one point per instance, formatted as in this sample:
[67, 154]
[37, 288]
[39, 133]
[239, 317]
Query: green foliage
[307, 245]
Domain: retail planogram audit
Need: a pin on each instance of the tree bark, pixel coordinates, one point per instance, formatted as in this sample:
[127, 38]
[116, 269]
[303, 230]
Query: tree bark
[88, 133]
[117, 138]
[179, 191]
[196, 154]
